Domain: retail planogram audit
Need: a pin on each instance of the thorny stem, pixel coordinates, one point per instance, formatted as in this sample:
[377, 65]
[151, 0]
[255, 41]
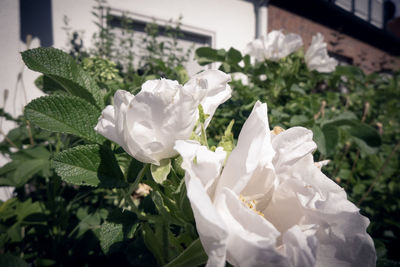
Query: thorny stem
[378, 175]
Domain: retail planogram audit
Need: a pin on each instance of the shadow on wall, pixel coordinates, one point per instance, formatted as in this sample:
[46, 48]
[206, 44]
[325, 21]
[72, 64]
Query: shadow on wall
[36, 20]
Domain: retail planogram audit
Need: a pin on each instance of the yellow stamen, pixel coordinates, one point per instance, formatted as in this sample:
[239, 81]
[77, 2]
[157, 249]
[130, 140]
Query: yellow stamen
[277, 130]
[251, 205]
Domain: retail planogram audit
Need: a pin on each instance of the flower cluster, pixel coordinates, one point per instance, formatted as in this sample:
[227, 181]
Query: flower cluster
[148, 124]
[267, 203]
[276, 45]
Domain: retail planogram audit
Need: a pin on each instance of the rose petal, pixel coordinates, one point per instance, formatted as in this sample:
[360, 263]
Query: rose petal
[252, 239]
[253, 148]
[205, 164]
[209, 225]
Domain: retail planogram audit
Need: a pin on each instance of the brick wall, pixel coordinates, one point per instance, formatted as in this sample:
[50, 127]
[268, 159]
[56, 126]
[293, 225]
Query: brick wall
[361, 54]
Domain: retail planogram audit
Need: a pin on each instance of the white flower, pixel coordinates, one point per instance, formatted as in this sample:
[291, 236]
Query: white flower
[317, 56]
[240, 76]
[147, 125]
[270, 205]
[274, 46]
[6, 192]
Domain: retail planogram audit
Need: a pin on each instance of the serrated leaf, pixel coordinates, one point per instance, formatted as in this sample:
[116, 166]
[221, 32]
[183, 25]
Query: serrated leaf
[160, 173]
[65, 114]
[91, 165]
[48, 85]
[63, 69]
[194, 255]
[110, 233]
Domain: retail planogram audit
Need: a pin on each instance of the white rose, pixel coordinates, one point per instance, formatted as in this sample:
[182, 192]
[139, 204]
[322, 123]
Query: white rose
[6, 192]
[240, 76]
[317, 57]
[274, 46]
[270, 205]
[147, 125]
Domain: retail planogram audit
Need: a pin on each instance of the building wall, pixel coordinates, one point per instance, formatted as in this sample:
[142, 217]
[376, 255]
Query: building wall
[230, 22]
[16, 82]
[364, 55]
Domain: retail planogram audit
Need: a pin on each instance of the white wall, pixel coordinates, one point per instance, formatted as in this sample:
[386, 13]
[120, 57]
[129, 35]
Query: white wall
[231, 22]
[14, 76]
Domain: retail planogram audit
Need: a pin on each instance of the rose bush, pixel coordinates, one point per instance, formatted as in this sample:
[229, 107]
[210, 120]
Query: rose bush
[274, 46]
[148, 124]
[271, 205]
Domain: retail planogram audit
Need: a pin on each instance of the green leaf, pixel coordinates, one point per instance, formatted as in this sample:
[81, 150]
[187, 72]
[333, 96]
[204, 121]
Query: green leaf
[207, 55]
[63, 69]
[160, 173]
[25, 163]
[194, 255]
[9, 260]
[48, 85]
[176, 164]
[183, 76]
[91, 165]
[326, 139]
[153, 243]
[319, 139]
[295, 88]
[110, 233]
[30, 167]
[358, 130]
[331, 139]
[233, 56]
[26, 208]
[65, 114]
[364, 147]
[298, 120]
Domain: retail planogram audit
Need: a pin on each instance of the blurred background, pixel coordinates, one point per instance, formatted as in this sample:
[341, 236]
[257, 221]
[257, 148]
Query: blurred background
[364, 33]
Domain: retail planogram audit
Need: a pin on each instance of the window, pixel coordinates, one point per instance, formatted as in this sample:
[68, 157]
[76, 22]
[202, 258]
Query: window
[191, 37]
[368, 10]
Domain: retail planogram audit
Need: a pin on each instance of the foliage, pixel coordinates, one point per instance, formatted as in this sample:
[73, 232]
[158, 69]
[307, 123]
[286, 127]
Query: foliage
[77, 198]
